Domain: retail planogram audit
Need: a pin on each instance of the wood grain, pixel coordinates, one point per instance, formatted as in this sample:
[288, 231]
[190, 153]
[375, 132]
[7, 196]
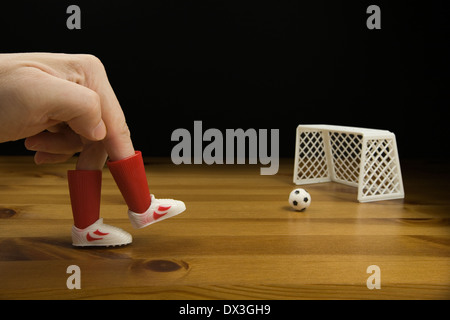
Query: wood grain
[238, 238]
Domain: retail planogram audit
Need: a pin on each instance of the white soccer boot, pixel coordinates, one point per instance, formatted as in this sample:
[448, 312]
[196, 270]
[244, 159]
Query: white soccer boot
[100, 235]
[160, 209]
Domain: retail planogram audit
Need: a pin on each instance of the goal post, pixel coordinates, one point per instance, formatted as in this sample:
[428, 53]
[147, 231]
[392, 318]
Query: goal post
[359, 157]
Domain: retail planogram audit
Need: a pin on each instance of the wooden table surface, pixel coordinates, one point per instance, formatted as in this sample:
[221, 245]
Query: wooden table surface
[238, 238]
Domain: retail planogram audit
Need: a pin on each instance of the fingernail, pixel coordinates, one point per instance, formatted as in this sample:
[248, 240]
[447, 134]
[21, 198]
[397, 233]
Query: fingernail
[99, 132]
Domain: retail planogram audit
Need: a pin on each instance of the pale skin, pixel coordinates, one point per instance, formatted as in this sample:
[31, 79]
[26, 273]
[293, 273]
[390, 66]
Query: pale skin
[62, 104]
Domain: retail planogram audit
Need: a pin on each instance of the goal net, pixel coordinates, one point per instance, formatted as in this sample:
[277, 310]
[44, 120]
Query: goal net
[359, 157]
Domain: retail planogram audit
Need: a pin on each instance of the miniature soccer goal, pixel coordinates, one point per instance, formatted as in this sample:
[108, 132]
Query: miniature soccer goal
[363, 158]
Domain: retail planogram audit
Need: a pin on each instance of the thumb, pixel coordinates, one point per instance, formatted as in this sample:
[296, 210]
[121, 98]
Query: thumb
[78, 106]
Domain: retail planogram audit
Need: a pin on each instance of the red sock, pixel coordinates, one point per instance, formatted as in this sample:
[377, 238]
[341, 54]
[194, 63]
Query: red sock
[85, 192]
[130, 177]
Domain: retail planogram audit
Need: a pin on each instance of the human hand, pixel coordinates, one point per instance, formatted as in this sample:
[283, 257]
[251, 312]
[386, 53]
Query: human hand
[43, 91]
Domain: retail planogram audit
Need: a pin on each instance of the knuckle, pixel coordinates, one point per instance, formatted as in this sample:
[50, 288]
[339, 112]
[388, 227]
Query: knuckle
[93, 99]
[125, 130]
[83, 66]
[120, 133]
[92, 61]
[92, 102]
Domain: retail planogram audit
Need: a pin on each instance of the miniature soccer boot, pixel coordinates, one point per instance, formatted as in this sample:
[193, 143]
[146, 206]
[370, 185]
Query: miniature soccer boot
[100, 235]
[160, 209]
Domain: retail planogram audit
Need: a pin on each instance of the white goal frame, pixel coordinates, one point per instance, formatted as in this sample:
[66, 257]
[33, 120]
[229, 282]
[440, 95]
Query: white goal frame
[359, 157]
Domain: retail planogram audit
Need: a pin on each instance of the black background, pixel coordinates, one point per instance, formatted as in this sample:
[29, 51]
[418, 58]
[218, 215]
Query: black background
[255, 64]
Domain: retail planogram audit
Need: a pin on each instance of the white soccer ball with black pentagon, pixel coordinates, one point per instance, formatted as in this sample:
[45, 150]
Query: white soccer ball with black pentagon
[299, 199]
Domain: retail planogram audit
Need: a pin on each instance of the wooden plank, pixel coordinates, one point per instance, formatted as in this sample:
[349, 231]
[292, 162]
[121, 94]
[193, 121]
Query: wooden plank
[235, 277]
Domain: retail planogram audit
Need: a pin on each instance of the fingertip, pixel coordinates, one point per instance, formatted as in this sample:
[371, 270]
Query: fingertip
[29, 144]
[38, 158]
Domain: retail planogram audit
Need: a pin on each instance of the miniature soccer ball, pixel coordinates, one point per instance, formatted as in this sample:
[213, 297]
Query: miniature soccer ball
[299, 199]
